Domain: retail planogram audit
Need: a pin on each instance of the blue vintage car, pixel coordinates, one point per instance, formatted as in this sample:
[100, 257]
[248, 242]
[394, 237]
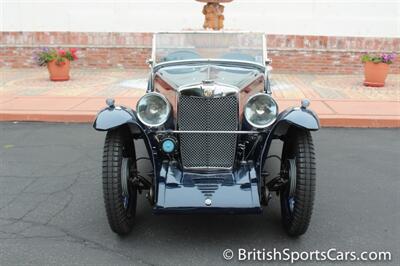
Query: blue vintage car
[207, 119]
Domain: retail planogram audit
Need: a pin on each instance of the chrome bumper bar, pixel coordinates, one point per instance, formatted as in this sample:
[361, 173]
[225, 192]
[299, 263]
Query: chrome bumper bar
[206, 132]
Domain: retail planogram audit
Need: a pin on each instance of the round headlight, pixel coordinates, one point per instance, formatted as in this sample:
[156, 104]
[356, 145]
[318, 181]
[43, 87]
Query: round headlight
[153, 109]
[261, 110]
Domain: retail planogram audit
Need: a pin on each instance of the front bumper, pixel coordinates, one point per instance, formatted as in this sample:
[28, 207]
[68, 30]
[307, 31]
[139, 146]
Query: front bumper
[223, 192]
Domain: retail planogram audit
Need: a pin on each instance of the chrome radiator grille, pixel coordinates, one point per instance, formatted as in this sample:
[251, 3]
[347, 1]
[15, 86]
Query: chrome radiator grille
[208, 150]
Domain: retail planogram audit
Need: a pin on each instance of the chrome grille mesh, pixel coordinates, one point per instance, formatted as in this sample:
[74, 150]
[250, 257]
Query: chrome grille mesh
[211, 114]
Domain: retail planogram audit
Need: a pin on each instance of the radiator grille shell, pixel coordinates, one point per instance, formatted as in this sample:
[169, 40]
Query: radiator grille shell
[208, 150]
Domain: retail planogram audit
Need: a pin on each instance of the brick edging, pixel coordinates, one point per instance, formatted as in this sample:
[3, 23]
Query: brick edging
[290, 53]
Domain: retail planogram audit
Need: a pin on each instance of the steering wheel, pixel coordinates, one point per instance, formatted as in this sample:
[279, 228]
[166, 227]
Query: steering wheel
[181, 55]
[239, 56]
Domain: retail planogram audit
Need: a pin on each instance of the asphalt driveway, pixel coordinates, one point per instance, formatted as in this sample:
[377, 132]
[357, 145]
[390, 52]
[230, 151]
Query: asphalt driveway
[51, 205]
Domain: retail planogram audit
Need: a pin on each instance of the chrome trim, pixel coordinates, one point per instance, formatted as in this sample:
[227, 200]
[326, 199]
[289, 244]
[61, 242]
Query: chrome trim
[259, 66]
[206, 169]
[216, 84]
[265, 55]
[206, 132]
[221, 32]
[223, 128]
[153, 51]
[272, 121]
[164, 99]
[215, 88]
[223, 90]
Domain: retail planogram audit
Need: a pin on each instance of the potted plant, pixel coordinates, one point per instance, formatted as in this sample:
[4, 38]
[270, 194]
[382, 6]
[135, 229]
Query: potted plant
[376, 68]
[57, 61]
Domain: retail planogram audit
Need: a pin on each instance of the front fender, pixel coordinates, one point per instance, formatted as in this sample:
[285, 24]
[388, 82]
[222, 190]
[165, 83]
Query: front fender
[292, 117]
[113, 117]
[298, 117]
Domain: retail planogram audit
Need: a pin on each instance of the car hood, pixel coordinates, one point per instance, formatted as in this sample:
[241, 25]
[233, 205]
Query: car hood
[186, 76]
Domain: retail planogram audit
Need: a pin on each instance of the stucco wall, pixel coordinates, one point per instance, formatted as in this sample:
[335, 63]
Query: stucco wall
[298, 17]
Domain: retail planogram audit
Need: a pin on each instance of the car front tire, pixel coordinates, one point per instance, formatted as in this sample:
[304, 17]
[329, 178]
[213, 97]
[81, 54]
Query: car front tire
[120, 210]
[297, 205]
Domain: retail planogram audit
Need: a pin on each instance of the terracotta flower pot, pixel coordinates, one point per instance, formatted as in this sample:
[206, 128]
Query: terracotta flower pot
[375, 74]
[59, 72]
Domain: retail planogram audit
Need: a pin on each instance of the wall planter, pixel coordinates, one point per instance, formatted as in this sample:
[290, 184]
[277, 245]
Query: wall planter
[58, 71]
[376, 69]
[57, 62]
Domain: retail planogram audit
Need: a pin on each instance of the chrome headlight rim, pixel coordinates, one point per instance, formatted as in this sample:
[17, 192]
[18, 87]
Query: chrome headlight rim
[148, 94]
[253, 124]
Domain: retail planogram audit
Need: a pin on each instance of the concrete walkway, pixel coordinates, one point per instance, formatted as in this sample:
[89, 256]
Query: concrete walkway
[339, 100]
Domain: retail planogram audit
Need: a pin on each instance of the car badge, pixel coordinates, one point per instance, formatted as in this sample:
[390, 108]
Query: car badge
[208, 92]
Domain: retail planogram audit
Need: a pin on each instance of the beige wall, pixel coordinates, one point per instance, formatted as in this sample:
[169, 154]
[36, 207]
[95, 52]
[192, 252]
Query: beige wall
[300, 17]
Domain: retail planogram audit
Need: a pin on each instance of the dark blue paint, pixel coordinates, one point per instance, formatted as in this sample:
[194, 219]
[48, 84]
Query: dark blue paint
[231, 191]
[293, 116]
[112, 117]
[176, 191]
[300, 117]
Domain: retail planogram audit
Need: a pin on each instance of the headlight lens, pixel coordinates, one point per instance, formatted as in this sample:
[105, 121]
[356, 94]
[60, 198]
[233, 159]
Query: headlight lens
[261, 110]
[153, 109]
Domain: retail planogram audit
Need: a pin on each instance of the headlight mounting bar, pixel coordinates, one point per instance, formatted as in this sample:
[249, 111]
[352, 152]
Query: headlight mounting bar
[207, 132]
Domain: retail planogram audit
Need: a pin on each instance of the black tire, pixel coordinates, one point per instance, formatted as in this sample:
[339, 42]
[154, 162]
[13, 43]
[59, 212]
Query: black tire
[120, 214]
[296, 211]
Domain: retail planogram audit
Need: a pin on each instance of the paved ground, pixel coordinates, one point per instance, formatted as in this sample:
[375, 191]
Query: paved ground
[51, 206]
[129, 83]
[339, 100]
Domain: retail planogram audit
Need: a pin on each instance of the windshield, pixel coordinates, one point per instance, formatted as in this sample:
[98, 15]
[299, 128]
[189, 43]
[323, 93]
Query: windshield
[208, 45]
